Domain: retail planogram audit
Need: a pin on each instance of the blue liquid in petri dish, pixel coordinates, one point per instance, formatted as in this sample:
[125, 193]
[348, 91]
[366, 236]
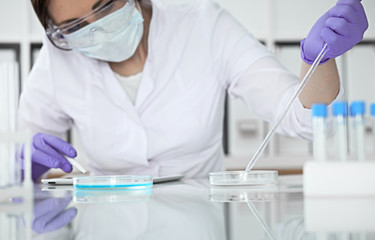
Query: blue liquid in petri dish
[125, 186]
[125, 182]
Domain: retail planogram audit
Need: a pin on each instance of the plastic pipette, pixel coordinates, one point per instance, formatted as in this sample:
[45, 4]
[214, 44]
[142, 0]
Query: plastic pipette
[76, 165]
[287, 107]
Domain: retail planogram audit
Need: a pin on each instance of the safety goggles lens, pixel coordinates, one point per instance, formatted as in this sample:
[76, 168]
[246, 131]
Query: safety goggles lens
[60, 35]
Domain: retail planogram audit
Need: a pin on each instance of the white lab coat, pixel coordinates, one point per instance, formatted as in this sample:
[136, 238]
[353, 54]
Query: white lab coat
[197, 53]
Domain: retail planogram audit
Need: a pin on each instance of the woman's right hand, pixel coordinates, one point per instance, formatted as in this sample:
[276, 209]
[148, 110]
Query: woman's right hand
[47, 152]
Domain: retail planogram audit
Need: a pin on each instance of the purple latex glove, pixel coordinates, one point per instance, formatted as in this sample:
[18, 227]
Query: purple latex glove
[341, 28]
[50, 214]
[47, 152]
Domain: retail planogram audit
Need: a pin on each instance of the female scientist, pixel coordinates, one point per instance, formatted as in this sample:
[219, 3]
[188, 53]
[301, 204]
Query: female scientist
[144, 84]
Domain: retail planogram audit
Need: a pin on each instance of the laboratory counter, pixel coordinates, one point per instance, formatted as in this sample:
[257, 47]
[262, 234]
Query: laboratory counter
[189, 209]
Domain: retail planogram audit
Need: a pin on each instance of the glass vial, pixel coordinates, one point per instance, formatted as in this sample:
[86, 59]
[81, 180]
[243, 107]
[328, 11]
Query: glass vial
[357, 112]
[319, 112]
[340, 114]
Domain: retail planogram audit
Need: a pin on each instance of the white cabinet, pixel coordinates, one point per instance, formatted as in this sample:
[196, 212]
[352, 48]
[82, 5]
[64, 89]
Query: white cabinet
[7, 54]
[361, 73]
[246, 131]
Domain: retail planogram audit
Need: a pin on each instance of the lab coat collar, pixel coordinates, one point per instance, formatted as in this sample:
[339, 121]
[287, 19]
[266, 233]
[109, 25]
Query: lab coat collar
[105, 79]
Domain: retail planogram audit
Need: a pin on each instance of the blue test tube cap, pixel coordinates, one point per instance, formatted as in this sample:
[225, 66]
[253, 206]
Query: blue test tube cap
[372, 109]
[357, 108]
[319, 110]
[340, 109]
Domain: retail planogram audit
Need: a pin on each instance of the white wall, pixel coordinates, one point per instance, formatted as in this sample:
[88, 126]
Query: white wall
[271, 21]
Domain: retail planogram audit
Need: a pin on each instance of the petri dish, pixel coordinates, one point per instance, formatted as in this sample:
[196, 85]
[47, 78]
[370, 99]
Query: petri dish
[242, 178]
[102, 183]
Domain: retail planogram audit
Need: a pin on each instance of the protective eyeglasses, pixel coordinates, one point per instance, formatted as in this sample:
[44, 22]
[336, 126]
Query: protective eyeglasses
[61, 36]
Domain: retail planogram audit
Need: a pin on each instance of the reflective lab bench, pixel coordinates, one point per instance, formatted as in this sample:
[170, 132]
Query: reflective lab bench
[191, 209]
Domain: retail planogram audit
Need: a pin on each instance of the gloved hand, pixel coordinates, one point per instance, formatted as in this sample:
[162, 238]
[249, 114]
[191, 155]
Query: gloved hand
[46, 153]
[50, 214]
[341, 28]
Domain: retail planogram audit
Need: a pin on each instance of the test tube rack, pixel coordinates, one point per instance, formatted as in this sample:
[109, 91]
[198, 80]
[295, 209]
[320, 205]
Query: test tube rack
[341, 177]
[340, 194]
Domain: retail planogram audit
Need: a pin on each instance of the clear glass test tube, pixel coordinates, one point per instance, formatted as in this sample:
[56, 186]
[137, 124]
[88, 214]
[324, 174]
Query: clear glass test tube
[8, 115]
[319, 112]
[357, 112]
[340, 113]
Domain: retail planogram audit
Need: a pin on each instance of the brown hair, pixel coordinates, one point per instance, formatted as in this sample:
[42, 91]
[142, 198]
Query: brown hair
[41, 10]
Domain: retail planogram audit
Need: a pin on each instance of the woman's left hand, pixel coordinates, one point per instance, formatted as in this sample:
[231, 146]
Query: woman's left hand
[341, 28]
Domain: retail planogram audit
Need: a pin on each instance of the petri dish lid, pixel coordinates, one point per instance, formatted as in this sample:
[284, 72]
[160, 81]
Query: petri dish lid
[111, 182]
[242, 178]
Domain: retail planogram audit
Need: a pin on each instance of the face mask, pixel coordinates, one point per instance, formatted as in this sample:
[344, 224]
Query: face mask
[105, 43]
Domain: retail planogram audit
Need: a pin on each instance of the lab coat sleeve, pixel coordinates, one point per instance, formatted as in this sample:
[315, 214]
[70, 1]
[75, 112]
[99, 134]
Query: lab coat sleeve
[38, 109]
[266, 87]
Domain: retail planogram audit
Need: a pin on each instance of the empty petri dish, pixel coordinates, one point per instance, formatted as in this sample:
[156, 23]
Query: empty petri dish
[123, 182]
[238, 178]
